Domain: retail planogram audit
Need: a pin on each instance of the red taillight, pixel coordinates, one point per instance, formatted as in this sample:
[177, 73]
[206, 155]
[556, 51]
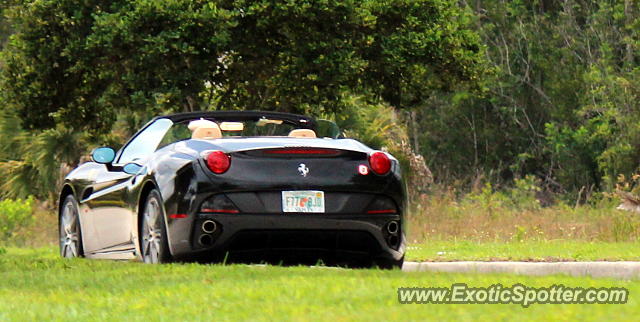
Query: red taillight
[218, 162]
[177, 216]
[379, 162]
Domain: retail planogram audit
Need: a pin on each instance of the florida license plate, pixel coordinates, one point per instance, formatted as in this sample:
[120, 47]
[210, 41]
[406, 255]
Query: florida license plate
[303, 201]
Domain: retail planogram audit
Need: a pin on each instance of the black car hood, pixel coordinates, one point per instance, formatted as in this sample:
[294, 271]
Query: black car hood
[237, 144]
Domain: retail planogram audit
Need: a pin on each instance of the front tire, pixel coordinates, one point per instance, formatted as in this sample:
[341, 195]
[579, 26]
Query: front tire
[69, 229]
[153, 245]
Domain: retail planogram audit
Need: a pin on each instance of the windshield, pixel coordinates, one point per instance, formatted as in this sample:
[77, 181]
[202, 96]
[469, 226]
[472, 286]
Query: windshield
[211, 129]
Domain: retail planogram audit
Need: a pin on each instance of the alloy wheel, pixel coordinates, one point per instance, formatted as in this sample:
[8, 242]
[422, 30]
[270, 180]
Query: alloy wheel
[152, 232]
[69, 231]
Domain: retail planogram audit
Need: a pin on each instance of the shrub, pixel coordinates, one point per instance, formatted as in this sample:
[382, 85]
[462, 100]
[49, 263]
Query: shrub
[14, 216]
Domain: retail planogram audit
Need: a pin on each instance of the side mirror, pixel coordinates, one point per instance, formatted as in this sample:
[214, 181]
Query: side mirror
[103, 155]
[132, 168]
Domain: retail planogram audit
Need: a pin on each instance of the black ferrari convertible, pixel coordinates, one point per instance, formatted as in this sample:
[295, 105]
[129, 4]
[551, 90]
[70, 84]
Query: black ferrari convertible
[236, 186]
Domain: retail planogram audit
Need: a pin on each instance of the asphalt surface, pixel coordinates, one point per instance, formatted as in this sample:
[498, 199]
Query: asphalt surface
[620, 270]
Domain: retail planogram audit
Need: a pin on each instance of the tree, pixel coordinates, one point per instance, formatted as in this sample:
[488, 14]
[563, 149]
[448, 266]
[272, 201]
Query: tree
[82, 63]
[79, 64]
[562, 103]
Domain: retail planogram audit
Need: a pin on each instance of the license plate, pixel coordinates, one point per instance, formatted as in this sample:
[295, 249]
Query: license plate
[303, 201]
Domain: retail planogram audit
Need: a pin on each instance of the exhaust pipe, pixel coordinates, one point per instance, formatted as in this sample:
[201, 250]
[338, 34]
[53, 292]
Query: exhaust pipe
[393, 241]
[205, 240]
[209, 226]
[393, 227]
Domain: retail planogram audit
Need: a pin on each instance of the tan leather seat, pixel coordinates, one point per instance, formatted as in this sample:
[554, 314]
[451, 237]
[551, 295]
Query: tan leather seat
[205, 130]
[303, 133]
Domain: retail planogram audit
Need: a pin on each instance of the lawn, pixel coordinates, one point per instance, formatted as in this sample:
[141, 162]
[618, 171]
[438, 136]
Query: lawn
[527, 250]
[37, 285]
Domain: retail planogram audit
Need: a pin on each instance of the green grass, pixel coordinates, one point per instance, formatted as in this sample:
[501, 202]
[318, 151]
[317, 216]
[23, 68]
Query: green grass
[527, 250]
[37, 285]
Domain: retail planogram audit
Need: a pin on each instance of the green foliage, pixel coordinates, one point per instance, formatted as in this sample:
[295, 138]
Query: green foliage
[522, 196]
[15, 215]
[302, 55]
[374, 124]
[78, 64]
[83, 62]
[561, 103]
[33, 162]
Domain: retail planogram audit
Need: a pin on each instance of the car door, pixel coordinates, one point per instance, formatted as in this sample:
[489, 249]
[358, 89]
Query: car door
[112, 216]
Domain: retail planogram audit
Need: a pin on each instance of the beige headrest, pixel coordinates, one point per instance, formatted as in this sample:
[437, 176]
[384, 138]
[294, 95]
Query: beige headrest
[303, 133]
[207, 133]
[193, 125]
[205, 130]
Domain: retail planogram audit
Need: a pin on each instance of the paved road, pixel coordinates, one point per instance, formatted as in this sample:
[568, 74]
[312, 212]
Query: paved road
[623, 270]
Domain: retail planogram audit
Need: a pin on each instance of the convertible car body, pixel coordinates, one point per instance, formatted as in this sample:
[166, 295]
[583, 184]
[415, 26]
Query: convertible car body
[238, 186]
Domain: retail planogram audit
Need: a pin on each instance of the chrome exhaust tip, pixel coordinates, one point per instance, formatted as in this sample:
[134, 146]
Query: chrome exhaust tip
[393, 227]
[209, 226]
[205, 240]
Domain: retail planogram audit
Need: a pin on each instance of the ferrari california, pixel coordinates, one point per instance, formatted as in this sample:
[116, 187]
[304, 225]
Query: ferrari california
[236, 186]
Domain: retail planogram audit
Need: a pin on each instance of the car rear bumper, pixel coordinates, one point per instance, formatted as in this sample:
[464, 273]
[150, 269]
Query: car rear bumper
[301, 238]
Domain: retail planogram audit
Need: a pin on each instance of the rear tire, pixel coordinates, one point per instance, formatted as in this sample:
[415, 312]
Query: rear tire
[389, 263]
[154, 246]
[69, 230]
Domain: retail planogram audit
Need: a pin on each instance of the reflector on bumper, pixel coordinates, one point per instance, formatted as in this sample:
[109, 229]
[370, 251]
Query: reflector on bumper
[219, 204]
